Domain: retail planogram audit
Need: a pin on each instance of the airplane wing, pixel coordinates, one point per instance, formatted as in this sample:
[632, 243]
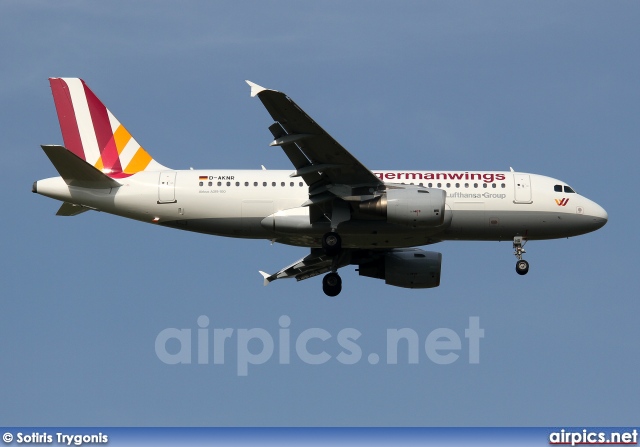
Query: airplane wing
[327, 167]
[316, 263]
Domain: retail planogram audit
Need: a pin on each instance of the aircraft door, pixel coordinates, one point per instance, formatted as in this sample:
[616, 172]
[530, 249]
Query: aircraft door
[167, 187]
[522, 188]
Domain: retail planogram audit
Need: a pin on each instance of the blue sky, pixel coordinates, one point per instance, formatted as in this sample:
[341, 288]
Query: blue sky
[545, 87]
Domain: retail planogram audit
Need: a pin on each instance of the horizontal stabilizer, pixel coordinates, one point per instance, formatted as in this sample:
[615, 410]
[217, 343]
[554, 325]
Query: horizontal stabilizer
[75, 171]
[71, 209]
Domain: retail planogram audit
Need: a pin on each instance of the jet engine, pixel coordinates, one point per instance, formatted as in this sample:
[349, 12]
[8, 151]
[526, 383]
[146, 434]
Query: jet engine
[411, 268]
[411, 206]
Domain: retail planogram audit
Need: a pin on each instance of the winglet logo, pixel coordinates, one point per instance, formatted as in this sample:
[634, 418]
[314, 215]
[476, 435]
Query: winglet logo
[562, 202]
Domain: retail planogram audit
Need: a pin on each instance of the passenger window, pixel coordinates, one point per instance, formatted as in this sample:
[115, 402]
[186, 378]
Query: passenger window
[300, 184]
[237, 183]
[475, 185]
[457, 185]
[557, 188]
[568, 189]
[201, 183]
[255, 183]
[484, 185]
[219, 183]
[466, 185]
[291, 184]
[273, 183]
[210, 183]
[282, 184]
[503, 185]
[493, 185]
[264, 183]
[246, 183]
[430, 185]
[448, 185]
[439, 185]
[228, 183]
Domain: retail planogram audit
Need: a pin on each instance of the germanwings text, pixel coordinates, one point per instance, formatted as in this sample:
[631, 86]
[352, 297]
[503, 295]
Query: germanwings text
[486, 177]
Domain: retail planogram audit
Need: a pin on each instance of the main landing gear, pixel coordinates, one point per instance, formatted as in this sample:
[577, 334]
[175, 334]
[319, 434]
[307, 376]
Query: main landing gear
[332, 284]
[522, 266]
[332, 245]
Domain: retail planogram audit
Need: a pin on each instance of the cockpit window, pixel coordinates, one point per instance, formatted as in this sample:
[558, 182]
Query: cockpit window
[557, 188]
[568, 189]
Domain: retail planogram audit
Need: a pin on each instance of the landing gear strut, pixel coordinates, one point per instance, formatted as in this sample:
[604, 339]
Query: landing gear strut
[332, 284]
[522, 266]
[332, 245]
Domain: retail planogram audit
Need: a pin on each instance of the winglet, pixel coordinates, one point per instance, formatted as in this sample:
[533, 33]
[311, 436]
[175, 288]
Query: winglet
[266, 277]
[255, 88]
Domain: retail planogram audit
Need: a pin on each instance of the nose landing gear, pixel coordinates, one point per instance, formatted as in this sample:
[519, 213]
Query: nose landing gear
[522, 266]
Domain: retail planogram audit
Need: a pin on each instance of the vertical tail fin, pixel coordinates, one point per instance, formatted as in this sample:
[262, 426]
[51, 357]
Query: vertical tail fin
[92, 133]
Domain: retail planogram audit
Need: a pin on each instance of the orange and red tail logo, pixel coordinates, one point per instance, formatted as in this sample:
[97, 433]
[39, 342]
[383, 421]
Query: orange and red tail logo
[562, 202]
[92, 133]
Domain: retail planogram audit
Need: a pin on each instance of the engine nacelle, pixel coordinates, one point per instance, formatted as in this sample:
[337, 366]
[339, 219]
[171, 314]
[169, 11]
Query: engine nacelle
[411, 268]
[409, 205]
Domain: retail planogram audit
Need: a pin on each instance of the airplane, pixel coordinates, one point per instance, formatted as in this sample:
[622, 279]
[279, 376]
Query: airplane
[331, 203]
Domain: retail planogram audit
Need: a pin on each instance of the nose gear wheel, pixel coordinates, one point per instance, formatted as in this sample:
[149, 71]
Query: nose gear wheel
[522, 266]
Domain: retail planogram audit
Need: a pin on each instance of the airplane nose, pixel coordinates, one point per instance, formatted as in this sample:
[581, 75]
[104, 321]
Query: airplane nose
[599, 215]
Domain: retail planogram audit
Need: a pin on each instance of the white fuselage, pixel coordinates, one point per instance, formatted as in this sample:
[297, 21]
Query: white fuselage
[266, 204]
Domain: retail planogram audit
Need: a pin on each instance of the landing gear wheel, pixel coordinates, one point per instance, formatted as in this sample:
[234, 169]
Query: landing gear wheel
[332, 284]
[331, 243]
[522, 267]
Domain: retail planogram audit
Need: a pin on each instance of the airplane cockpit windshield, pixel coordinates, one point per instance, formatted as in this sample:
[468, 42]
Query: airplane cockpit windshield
[560, 188]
